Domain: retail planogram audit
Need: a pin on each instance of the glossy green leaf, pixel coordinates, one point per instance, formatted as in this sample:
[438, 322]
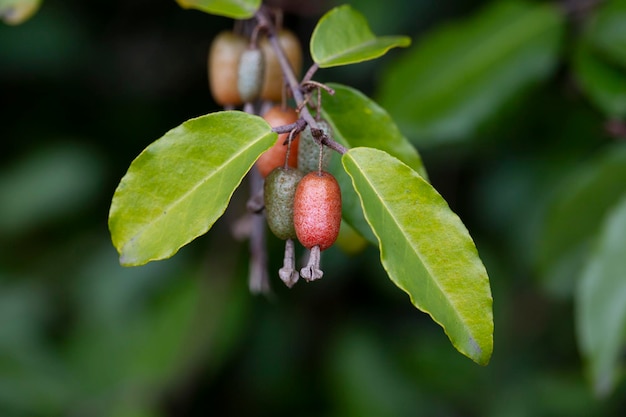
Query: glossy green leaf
[607, 31]
[342, 36]
[425, 249]
[14, 12]
[459, 76]
[603, 82]
[601, 306]
[181, 184]
[576, 210]
[359, 121]
[236, 9]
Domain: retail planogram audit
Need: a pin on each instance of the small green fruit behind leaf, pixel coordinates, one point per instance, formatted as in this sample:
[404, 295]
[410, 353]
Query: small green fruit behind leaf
[223, 65]
[250, 74]
[350, 241]
[279, 192]
[309, 150]
[317, 210]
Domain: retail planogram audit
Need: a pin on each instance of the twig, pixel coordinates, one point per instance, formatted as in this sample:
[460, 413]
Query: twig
[290, 77]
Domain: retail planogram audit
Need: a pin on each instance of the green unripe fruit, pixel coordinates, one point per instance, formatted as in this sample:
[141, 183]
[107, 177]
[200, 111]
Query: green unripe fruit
[250, 74]
[309, 149]
[279, 191]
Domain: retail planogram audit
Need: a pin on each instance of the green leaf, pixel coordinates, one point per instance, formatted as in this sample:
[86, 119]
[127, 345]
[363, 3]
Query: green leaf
[575, 213]
[359, 121]
[181, 184]
[425, 249]
[15, 12]
[461, 75]
[602, 81]
[607, 31]
[342, 36]
[236, 9]
[601, 310]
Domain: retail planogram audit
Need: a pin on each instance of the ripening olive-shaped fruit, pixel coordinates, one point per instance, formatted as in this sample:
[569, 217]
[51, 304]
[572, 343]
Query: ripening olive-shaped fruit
[309, 150]
[278, 192]
[275, 156]
[317, 210]
[250, 74]
[273, 83]
[223, 66]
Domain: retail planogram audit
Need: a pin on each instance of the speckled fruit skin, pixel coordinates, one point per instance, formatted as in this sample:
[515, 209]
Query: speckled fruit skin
[309, 150]
[274, 157]
[250, 74]
[279, 192]
[317, 210]
[273, 83]
[223, 65]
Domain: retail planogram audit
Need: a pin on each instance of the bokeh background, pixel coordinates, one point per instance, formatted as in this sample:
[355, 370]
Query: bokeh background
[85, 86]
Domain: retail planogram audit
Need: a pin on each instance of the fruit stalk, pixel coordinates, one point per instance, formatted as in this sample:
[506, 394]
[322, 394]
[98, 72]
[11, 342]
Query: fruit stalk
[292, 82]
[288, 273]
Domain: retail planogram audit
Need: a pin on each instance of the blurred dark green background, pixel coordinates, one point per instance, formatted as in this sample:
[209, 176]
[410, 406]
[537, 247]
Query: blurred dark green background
[85, 86]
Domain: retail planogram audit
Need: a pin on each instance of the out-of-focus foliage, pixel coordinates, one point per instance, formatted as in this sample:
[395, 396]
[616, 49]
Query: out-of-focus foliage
[600, 300]
[600, 58]
[86, 86]
[456, 77]
[14, 12]
[607, 31]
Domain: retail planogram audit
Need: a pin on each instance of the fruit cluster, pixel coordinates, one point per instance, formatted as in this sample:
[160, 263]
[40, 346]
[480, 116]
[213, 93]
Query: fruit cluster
[301, 200]
[243, 70]
[306, 207]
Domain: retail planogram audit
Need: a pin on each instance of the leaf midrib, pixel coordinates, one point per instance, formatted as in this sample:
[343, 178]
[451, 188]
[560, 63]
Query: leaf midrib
[426, 266]
[167, 209]
[361, 46]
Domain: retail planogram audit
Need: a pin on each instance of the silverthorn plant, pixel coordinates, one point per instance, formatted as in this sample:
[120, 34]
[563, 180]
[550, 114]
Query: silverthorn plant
[177, 188]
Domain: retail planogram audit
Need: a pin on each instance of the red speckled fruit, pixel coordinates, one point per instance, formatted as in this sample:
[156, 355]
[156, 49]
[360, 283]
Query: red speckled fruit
[317, 210]
[274, 157]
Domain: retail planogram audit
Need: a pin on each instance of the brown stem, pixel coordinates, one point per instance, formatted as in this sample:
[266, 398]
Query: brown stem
[299, 125]
[290, 77]
[309, 74]
[310, 85]
[258, 279]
